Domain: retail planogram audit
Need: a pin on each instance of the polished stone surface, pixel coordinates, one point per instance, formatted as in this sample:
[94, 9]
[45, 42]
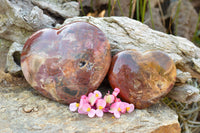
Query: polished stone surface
[143, 78]
[63, 64]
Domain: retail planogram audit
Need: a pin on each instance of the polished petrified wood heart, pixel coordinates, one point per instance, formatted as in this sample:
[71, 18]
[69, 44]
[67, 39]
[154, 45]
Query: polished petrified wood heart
[63, 64]
[143, 78]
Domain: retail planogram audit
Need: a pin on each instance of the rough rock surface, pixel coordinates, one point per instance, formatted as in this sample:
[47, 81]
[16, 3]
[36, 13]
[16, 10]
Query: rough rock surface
[20, 18]
[185, 94]
[4, 48]
[23, 110]
[182, 77]
[59, 8]
[13, 56]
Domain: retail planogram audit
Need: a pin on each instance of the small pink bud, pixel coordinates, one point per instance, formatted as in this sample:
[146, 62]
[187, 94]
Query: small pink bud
[116, 92]
[109, 99]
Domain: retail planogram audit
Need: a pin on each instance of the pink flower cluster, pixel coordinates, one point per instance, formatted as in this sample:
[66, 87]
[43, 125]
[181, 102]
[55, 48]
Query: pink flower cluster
[94, 104]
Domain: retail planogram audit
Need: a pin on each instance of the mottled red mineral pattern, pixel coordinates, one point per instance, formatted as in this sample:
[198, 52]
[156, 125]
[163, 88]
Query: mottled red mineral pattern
[143, 78]
[63, 64]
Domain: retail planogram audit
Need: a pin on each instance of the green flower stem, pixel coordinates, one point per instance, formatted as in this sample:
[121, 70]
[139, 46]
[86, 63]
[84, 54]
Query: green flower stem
[138, 10]
[152, 22]
[143, 10]
[120, 7]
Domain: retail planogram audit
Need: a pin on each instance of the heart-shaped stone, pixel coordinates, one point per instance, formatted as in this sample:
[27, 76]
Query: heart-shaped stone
[143, 78]
[64, 64]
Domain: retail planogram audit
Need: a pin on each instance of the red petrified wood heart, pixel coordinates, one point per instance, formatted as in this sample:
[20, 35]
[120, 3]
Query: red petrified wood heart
[63, 64]
[143, 78]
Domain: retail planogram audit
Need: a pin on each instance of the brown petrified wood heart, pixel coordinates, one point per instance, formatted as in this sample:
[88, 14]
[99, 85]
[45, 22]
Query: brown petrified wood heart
[63, 64]
[143, 78]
